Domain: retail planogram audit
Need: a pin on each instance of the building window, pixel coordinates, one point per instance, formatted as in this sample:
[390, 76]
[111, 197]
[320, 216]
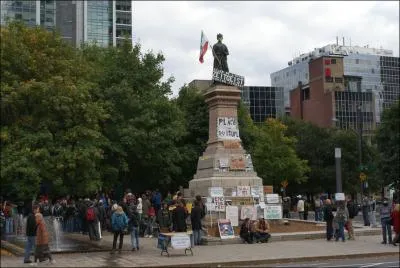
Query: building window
[327, 61]
[357, 61]
[333, 61]
[338, 80]
[328, 79]
[327, 72]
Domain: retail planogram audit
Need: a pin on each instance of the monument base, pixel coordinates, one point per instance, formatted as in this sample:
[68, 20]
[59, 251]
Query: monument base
[200, 186]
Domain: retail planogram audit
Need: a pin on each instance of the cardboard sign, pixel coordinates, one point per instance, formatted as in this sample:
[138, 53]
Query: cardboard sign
[268, 189]
[225, 229]
[340, 197]
[243, 191]
[273, 212]
[227, 128]
[216, 191]
[232, 214]
[272, 198]
[180, 241]
[248, 212]
[237, 162]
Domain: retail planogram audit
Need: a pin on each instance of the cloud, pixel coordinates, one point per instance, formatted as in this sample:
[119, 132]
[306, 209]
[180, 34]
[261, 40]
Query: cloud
[261, 36]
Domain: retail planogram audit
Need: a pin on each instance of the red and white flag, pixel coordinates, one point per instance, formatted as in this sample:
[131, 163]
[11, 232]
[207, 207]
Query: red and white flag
[203, 46]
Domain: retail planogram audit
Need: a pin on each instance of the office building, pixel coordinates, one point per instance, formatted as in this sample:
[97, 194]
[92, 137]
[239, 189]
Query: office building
[332, 98]
[262, 102]
[378, 68]
[105, 22]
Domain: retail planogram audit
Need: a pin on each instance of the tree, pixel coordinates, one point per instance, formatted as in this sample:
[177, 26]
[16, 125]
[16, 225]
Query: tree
[50, 132]
[192, 103]
[275, 157]
[388, 141]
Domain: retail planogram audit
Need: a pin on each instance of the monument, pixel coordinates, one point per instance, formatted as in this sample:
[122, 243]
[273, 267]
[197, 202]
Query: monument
[224, 163]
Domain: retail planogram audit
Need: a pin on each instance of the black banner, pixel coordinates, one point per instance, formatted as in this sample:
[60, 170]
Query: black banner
[228, 78]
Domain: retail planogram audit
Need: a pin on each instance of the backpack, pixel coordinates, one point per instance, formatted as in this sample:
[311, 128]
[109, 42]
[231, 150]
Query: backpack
[317, 203]
[118, 224]
[340, 215]
[90, 215]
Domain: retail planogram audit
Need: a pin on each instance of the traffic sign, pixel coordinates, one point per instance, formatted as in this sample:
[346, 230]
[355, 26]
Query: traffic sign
[363, 177]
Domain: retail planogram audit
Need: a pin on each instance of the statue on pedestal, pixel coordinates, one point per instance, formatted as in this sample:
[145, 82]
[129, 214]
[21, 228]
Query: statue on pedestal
[220, 53]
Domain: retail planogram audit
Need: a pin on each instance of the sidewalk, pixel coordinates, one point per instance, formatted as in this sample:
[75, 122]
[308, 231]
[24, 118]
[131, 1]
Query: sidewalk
[239, 254]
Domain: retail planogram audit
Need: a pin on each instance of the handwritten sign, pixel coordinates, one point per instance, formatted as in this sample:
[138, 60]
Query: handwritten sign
[256, 191]
[273, 212]
[227, 128]
[228, 78]
[272, 198]
[237, 162]
[248, 212]
[218, 203]
[180, 241]
[243, 191]
[216, 191]
[232, 214]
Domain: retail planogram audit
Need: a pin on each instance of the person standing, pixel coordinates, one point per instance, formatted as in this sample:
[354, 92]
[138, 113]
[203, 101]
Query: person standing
[396, 223]
[352, 209]
[341, 217]
[372, 214]
[133, 225]
[30, 233]
[164, 219]
[92, 218]
[300, 207]
[328, 218]
[386, 212]
[365, 211]
[318, 208]
[119, 221]
[196, 216]
[42, 251]
[179, 216]
[286, 207]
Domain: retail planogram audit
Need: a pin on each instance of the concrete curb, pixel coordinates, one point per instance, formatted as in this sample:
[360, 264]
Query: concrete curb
[282, 260]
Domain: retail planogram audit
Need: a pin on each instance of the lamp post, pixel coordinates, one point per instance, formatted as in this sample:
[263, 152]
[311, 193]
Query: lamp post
[338, 158]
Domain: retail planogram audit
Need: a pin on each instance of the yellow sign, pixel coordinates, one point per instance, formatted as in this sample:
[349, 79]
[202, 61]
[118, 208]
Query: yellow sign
[363, 177]
[284, 183]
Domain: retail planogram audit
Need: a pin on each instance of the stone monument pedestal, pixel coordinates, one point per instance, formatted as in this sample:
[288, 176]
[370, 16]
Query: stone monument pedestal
[224, 163]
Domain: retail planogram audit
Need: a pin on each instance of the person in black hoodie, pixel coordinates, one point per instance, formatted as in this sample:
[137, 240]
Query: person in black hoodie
[328, 217]
[30, 233]
[179, 216]
[196, 215]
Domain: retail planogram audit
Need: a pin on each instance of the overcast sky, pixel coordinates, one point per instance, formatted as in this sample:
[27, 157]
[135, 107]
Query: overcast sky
[261, 36]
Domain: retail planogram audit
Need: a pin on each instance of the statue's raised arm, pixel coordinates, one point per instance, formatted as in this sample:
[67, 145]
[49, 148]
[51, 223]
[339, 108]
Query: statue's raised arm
[220, 53]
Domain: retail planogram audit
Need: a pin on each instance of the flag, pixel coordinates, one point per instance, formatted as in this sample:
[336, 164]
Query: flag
[203, 46]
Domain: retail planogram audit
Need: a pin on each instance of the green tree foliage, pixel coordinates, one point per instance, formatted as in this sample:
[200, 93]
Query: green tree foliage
[192, 103]
[50, 129]
[274, 155]
[144, 125]
[388, 140]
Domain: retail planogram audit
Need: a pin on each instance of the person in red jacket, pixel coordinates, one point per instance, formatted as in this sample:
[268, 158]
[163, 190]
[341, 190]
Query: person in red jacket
[396, 223]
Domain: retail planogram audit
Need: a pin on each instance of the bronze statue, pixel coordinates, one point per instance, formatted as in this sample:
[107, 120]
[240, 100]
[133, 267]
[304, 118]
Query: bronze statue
[220, 53]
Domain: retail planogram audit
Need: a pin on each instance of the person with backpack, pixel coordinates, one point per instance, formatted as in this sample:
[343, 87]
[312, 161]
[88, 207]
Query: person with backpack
[328, 218]
[133, 225]
[352, 209]
[341, 217]
[119, 221]
[92, 220]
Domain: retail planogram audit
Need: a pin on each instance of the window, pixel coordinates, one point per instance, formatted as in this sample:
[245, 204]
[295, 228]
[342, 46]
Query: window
[338, 80]
[328, 79]
[327, 72]
[327, 61]
[333, 61]
[357, 61]
[373, 70]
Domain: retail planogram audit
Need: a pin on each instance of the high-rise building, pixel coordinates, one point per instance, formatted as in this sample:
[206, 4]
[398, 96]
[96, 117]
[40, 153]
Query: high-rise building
[378, 69]
[262, 102]
[332, 98]
[105, 22]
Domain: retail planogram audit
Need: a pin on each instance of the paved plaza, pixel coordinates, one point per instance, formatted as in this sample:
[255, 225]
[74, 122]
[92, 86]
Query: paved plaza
[283, 251]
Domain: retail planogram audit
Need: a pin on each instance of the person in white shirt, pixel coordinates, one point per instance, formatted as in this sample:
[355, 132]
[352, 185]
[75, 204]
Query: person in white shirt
[300, 207]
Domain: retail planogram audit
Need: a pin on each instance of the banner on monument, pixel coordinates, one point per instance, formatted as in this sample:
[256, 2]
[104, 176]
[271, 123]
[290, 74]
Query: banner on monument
[232, 214]
[248, 212]
[228, 78]
[227, 128]
[225, 229]
[216, 191]
[273, 212]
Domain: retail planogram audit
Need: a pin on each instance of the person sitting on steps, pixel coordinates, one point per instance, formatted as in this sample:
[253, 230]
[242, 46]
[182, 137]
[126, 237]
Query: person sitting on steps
[262, 231]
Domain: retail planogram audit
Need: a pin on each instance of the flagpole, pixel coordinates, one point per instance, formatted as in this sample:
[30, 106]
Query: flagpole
[212, 48]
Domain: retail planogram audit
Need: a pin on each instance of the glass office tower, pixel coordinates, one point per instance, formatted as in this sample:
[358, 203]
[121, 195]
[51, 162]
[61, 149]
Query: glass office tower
[106, 23]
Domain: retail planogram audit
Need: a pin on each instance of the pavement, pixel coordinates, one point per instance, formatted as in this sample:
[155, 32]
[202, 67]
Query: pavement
[219, 256]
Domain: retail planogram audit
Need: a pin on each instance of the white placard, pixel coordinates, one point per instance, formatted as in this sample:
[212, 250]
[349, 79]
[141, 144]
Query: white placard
[180, 241]
[232, 213]
[256, 191]
[216, 191]
[339, 197]
[218, 203]
[262, 205]
[243, 191]
[273, 212]
[223, 162]
[227, 128]
[248, 212]
[272, 198]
